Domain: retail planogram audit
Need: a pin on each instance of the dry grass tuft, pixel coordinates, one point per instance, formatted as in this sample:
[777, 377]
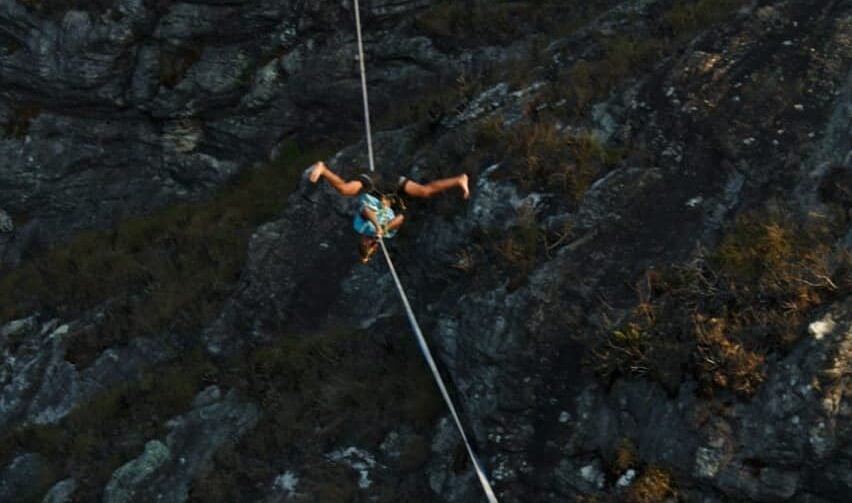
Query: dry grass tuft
[718, 318]
[625, 456]
[654, 485]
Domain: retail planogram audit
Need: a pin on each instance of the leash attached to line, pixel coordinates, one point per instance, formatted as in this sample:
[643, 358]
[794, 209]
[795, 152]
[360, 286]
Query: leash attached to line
[421, 341]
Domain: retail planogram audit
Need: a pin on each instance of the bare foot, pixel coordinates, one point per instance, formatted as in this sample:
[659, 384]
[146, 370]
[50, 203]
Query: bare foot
[463, 185]
[316, 171]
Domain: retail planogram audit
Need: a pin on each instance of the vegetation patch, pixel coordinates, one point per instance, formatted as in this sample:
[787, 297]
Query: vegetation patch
[508, 256]
[329, 387]
[540, 157]
[589, 81]
[624, 55]
[626, 457]
[332, 387]
[472, 23]
[22, 116]
[685, 18]
[169, 269]
[9, 43]
[718, 318]
[57, 8]
[654, 485]
[433, 104]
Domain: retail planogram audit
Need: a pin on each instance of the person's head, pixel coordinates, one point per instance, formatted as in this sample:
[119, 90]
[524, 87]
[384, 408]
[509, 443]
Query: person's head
[386, 201]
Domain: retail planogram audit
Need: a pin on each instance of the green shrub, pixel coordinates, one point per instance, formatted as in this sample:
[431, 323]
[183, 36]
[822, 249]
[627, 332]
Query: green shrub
[414, 453]
[172, 268]
[786, 266]
[435, 102]
[22, 115]
[586, 82]
[724, 361]
[471, 23]
[328, 386]
[540, 157]
[623, 56]
[520, 248]
[686, 17]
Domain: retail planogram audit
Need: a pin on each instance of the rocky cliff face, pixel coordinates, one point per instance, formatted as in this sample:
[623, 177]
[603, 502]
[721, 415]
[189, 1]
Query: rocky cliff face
[647, 297]
[114, 109]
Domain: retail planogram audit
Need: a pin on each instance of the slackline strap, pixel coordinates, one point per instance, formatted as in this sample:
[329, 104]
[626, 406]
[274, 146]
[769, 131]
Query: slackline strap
[427, 354]
[421, 341]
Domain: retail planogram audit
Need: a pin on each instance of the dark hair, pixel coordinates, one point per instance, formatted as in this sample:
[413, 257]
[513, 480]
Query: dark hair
[378, 185]
[367, 182]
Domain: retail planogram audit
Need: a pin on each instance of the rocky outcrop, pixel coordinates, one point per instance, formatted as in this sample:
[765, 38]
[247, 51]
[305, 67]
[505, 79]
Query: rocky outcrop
[549, 428]
[38, 385]
[6, 223]
[113, 113]
[166, 469]
[18, 475]
[61, 492]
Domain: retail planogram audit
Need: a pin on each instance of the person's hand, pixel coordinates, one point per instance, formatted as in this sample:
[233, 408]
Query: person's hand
[379, 232]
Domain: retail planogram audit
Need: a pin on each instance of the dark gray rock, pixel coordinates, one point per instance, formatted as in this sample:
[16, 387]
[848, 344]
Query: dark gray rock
[575, 477]
[61, 492]
[6, 223]
[16, 478]
[764, 484]
[166, 469]
[38, 386]
[28, 349]
[442, 480]
[127, 481]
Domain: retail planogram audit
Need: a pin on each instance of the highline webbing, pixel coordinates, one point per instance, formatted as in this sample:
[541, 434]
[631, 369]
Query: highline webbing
[421, 341]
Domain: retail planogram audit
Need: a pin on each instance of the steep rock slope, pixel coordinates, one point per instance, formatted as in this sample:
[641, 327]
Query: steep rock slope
[628, 307]
[752, 112]
[114, 109]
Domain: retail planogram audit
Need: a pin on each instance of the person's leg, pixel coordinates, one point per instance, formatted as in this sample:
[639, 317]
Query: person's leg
[366, 243]
[415, 189]
[367, 247]
[351, 188]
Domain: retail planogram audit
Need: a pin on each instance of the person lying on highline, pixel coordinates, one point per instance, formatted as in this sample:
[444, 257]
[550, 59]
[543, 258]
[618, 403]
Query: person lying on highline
[376, 217]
